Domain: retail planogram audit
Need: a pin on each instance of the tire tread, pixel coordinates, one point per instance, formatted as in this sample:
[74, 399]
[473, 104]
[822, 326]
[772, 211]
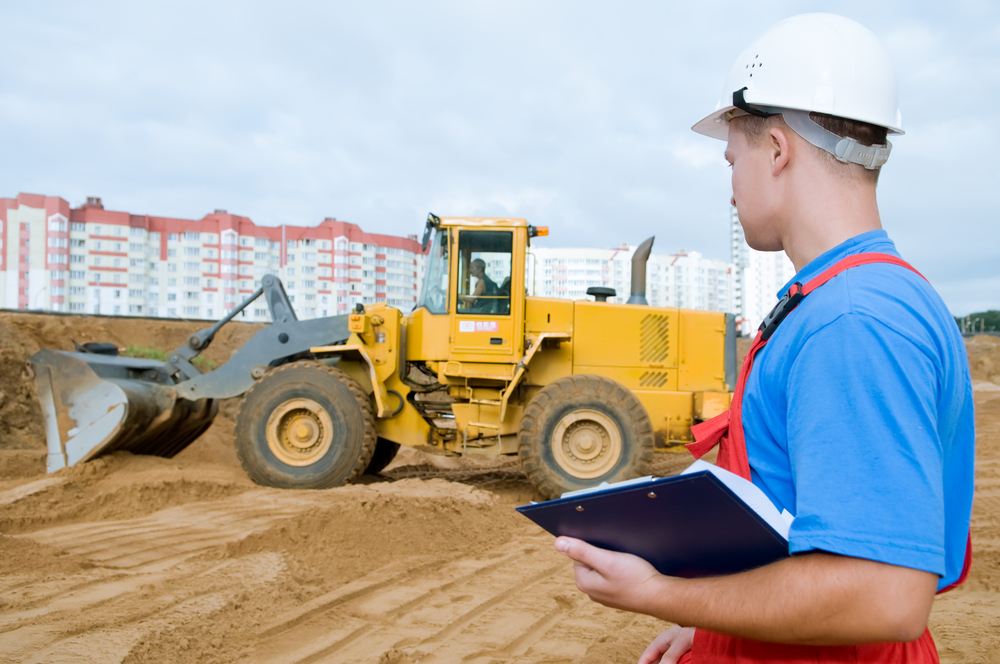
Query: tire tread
[370, 435]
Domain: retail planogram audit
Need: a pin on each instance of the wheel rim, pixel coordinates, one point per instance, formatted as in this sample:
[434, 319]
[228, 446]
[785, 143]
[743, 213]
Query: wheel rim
[299, 432]
[586, 444]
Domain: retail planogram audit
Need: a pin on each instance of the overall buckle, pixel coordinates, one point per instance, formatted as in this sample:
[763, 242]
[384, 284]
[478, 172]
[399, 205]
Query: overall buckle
[785, 305]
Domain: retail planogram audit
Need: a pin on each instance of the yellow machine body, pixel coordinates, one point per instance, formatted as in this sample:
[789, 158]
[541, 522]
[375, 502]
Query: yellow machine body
[483, 354]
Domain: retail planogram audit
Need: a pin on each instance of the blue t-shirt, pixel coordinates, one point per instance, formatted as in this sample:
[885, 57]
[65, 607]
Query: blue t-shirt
[858, 416]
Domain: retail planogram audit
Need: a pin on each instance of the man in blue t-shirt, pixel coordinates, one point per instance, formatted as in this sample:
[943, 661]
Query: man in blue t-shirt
[857, 414]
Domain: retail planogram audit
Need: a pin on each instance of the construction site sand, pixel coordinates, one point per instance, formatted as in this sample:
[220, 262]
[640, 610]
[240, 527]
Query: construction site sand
[139, 559]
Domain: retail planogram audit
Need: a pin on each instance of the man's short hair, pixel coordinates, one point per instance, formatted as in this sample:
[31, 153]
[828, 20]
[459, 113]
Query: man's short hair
[754, 128]
[480, 262]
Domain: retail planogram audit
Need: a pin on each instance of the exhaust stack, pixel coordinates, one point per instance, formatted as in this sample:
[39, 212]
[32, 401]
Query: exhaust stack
[639, 258]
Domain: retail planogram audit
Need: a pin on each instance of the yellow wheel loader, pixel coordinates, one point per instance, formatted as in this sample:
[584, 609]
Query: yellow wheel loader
[582, 391]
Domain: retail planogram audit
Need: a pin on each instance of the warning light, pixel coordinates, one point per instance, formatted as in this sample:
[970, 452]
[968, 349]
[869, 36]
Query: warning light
[537, 231]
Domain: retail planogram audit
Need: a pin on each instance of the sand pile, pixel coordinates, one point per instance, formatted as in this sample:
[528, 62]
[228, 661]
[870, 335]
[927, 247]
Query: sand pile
[20, 415]
[120, 485]
[60, 332]
[984, 357]
[363, 528]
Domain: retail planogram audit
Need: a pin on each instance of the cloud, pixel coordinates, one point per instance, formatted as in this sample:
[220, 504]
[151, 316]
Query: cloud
[574, 115]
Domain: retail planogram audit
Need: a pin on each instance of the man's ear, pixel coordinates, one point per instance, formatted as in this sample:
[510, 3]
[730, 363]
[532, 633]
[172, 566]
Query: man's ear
[780, 148]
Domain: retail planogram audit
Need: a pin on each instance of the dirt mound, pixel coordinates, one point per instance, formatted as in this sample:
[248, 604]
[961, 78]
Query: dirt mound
[19, 464]
[20, 415]
[119, 485]
[26, 557]
[59, 332]
[984, 357]
[215, 446]
[366, 527]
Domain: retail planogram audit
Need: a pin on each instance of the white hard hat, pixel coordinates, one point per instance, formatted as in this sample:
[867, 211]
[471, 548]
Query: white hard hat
[813, 62]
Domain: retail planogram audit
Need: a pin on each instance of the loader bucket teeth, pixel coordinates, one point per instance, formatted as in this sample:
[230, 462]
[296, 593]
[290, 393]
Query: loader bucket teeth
[95, 404]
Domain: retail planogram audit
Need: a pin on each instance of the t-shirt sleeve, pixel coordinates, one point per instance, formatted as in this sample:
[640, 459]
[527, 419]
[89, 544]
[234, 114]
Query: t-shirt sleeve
[864, 446]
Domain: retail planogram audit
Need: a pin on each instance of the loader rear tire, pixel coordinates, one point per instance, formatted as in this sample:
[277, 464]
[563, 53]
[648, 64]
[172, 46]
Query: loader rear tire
[582, 430]
[305, 426]
[385, 452]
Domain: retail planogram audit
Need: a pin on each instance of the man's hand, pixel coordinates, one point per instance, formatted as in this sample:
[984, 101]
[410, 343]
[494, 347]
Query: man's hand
[815, 598]
[669, 646]
[618, 580]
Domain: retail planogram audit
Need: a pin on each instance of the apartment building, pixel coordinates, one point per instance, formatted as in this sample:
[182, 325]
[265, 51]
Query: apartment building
[685, 279]
[759, 275]
[97, 261]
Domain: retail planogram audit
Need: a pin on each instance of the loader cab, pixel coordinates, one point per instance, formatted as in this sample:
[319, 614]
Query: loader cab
[475, 277]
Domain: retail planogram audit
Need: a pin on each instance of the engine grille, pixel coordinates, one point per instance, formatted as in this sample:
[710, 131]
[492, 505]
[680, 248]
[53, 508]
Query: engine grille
[654, 338]
[653, 379]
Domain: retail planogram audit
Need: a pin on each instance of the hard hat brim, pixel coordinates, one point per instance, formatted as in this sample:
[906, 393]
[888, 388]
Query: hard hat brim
[715, 124]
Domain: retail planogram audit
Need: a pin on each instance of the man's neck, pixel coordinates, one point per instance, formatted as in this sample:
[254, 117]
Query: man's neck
[826, 215]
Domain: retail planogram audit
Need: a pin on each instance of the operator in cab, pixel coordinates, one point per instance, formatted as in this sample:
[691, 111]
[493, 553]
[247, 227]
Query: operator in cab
[483, 296]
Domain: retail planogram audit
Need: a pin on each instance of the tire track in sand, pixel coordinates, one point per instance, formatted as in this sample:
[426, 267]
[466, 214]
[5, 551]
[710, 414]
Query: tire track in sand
[145, 579]
[472, 608]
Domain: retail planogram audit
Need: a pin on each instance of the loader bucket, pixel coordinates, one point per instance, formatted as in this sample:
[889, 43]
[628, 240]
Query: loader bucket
[96, 404]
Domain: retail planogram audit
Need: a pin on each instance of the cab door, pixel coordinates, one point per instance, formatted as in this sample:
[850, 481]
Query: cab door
[488, 296]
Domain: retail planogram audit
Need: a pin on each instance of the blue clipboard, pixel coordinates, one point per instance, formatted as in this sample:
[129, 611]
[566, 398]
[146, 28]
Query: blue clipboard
[688, 525]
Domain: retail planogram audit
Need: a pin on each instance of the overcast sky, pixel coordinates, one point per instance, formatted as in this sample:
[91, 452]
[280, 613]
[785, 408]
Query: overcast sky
[575, 115]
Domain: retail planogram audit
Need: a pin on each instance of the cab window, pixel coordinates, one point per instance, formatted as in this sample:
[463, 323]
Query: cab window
[434, 296]
[484, 265]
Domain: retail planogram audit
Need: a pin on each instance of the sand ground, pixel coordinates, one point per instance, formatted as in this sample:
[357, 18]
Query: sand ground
[140, 559]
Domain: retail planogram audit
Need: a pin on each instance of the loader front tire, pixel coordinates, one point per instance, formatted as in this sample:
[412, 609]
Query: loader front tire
[305, 426]
[582, 430]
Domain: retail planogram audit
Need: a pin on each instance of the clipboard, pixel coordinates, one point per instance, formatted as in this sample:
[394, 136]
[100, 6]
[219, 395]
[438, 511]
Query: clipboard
[688, 526]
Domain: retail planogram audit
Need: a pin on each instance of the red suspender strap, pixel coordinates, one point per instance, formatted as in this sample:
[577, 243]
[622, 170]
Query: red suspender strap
[854, 261]
[726, 429]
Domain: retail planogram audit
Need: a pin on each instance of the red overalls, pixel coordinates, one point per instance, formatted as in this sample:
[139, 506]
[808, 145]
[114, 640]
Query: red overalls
[726, 430]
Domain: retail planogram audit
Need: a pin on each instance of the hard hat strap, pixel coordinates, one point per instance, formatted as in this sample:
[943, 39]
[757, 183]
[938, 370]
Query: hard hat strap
[741, 103]
[845, 149]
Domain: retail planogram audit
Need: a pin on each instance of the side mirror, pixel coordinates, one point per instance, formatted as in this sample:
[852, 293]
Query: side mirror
[433, 221]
